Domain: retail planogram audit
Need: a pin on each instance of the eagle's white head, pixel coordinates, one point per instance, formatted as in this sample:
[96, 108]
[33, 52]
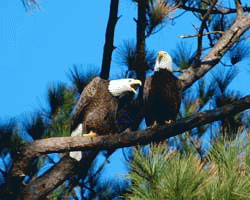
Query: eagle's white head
[163, 61]
[117, 87]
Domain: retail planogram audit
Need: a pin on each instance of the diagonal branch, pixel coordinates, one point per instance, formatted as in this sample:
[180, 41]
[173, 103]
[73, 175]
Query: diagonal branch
[215, 11]
[125, 139]
[232, 35]
[39, 188]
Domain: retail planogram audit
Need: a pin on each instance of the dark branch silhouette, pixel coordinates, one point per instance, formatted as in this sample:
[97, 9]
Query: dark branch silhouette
[109, 39]
[215, 11]
[205, 17]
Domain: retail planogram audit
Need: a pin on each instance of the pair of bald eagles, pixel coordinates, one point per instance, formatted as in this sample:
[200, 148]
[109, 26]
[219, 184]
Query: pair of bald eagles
[102, 104]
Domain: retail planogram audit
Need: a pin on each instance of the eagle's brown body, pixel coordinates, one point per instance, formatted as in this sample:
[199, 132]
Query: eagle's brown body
[96, 109]
[162, 97]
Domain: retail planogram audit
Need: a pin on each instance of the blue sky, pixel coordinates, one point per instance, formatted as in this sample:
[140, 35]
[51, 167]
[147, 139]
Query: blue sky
[40, 47]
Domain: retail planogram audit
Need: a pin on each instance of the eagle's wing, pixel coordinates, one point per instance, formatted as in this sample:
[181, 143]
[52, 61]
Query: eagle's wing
[86, 96]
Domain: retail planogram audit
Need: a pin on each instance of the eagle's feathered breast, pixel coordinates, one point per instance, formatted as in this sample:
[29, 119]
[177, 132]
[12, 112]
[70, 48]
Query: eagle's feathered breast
[162, 97]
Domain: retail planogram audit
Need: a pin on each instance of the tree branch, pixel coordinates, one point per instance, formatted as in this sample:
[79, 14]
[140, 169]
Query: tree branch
[215, 11]
[140, 42]
[239, 8]
[125, 139]
[196, 35]
[231, 36]
[39, 188]
[109, 39]
[67, 167]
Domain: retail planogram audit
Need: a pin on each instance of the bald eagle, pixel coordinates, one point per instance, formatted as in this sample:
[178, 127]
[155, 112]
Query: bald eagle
[161, 93]
[97, 109]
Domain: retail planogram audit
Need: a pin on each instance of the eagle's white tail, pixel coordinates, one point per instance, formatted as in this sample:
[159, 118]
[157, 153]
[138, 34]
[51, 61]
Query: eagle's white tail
[77, 132]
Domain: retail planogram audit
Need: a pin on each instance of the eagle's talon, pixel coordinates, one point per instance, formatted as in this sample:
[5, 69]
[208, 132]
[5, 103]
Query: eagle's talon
[90, 134]
[169, 122]
[154, 125]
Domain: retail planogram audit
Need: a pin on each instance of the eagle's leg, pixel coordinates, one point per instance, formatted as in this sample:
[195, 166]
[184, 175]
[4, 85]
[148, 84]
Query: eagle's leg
[90, 134]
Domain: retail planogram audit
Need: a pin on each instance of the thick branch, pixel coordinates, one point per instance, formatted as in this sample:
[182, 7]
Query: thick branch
[231, 36]
[124, 139]
[140, 41]
[44, 185]
[109, 39]
[39, 189]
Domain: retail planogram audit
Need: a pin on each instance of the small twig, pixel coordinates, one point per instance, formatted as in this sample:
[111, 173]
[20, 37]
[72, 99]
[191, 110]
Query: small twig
[200, 34]
[124, 155]
[209, 36]
[239, 8]
[195, 28]
[178, 15]
[225, 65]
[196, 35]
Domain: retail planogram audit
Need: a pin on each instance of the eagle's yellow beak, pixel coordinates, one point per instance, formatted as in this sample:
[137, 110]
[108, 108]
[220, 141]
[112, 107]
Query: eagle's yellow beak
[134, 84]
[160, 55]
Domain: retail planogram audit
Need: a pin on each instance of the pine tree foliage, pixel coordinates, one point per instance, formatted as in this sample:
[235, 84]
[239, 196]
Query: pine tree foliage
[6, 131]
[126, 54]
[31, 5]
[219, 24]
[183, 56]
[61, 101]
[81, 75]
[239, 52]
[166, 174]
[229, 166]
[158, 13]
[232, 125]
[35, 126]
[60, 192]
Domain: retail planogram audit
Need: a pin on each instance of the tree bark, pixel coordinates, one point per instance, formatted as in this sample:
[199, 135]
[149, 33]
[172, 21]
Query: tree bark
[44, 185]
[140, 45]
[231, 36]
[109, 39]
[39, 188]
[125, 139]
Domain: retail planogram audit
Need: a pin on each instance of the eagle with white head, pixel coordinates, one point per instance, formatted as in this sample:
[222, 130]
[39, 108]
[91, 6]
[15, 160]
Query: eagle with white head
[96, 110]
[162, 92]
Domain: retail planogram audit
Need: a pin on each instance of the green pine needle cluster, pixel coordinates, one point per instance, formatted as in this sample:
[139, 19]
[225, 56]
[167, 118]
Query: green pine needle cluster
[165, 174]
